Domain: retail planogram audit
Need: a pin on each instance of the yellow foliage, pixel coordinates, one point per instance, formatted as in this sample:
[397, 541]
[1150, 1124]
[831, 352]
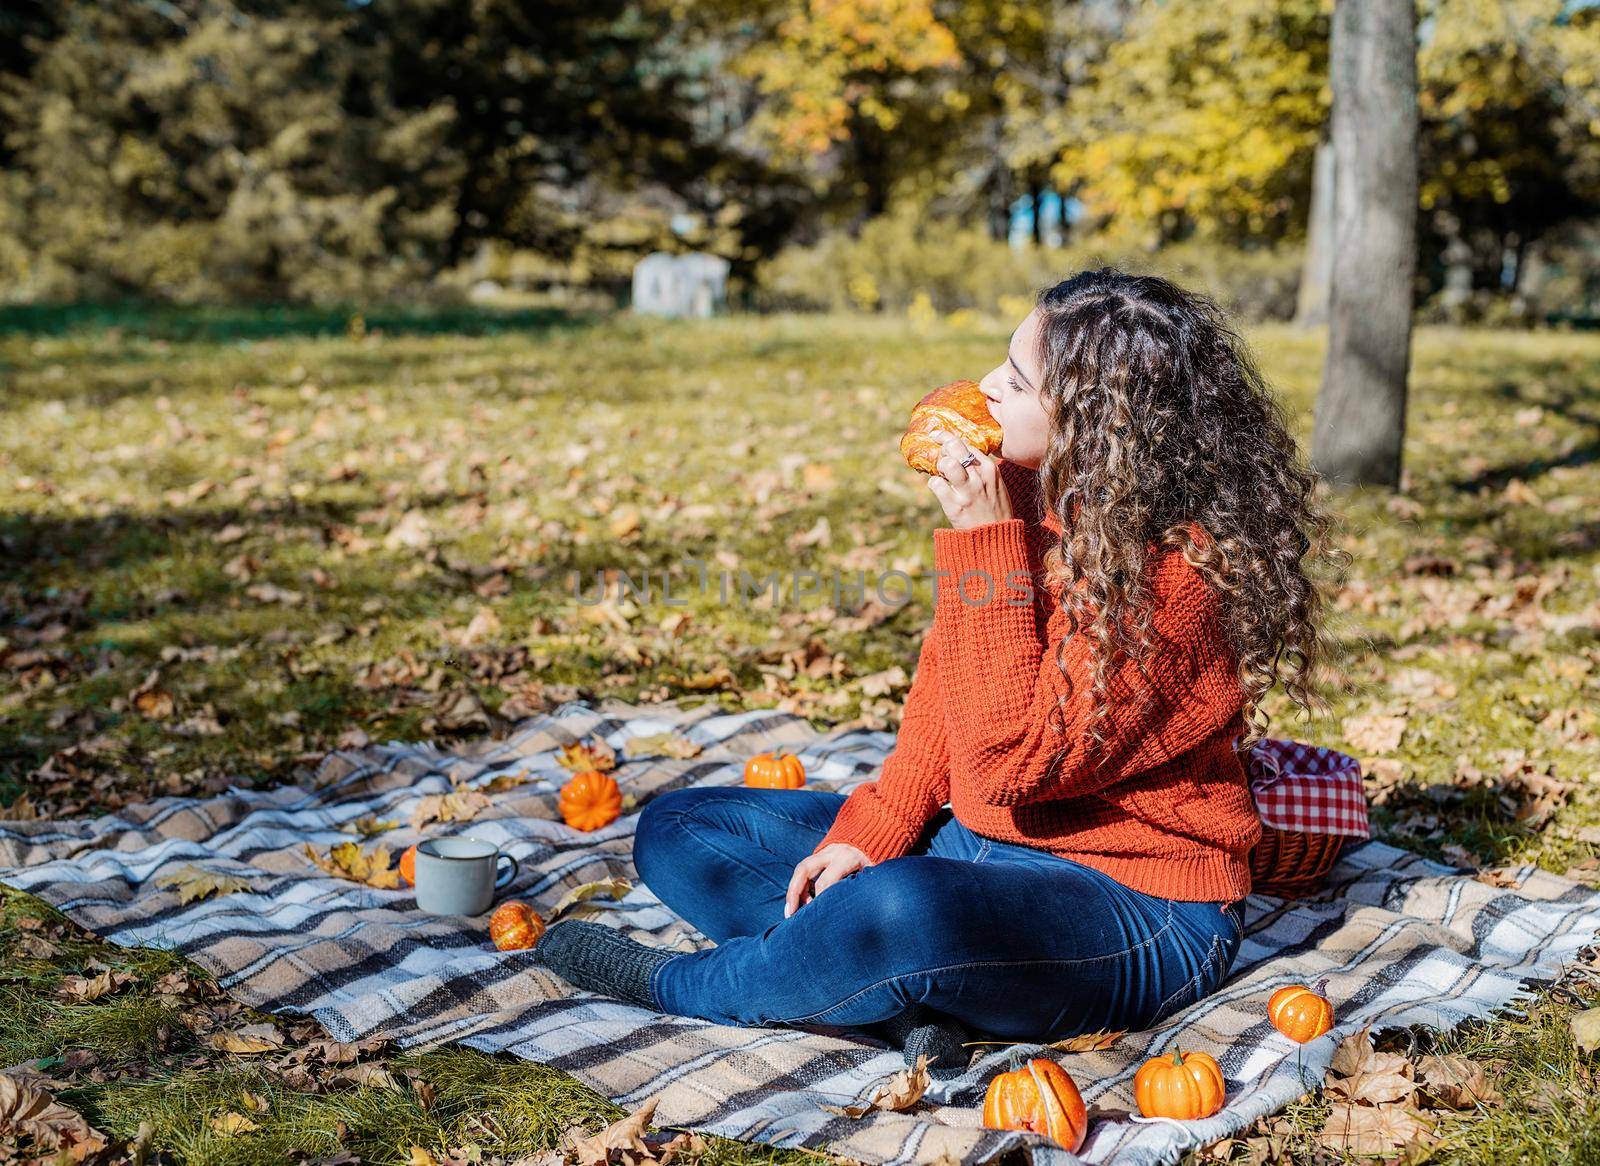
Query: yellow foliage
[832, 60]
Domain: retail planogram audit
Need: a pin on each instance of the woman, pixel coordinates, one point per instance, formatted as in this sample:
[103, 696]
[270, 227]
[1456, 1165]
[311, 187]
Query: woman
[1059, 841]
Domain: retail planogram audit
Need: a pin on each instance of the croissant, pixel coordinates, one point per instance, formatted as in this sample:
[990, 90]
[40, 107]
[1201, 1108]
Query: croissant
[959, 408]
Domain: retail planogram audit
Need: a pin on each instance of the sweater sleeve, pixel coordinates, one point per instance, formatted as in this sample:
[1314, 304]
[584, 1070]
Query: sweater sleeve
[884, 816]
[1003, 736]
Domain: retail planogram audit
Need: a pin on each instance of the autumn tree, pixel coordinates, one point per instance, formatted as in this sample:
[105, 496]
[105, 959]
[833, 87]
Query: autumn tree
[1361, 410]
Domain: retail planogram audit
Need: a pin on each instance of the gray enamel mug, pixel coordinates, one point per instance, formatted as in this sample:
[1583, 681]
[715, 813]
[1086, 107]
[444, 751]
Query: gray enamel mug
[458, 875]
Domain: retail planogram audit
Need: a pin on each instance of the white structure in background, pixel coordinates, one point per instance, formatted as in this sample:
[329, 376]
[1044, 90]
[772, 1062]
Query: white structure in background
[680, 285]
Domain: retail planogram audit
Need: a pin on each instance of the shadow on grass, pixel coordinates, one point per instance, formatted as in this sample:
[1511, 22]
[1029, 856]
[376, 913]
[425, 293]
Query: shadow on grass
[165, 322]
[1564, 405]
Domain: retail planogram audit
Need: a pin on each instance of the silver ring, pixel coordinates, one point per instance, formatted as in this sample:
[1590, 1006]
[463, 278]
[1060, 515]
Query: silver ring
[970, 460]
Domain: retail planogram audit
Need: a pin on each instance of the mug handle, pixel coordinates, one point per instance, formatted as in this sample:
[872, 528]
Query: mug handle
[511, 871]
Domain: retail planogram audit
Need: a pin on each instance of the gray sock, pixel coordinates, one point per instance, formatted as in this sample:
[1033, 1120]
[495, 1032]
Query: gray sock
[920, 1029]
[601, 959]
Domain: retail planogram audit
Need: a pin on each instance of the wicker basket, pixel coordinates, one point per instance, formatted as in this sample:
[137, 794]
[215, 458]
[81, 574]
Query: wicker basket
[1290, 864]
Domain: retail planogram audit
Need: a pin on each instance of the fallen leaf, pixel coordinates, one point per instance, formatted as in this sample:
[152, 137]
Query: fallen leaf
[193, 883]
[369, 825]
[246, 1041]
[1456, 1082]
[662, 745]
[35, 1114]
[1585, 1028]
[372, 1076]
[1500, 877]
[596, 754]
[231, 1124]
[1088, 1042]
[485, 623]
[1374, 734]
[626, 1134]
[899, 1092]
[85, 988]
[1359, 1073]
[272, 593]
[460, 805]
[456, 712]
[348, 861]
[150, 700]
[612, 888]
[1370, 1130]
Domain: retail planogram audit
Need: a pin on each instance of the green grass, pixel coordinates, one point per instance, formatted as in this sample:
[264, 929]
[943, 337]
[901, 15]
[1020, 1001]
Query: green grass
[156, 466]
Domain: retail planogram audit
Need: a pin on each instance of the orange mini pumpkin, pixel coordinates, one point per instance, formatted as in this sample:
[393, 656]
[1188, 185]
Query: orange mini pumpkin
[1300, 1013]
[1041, 1097]
[515, 926]
[775, 771]
[1184, 1086]
[590, 800]
[408, 865]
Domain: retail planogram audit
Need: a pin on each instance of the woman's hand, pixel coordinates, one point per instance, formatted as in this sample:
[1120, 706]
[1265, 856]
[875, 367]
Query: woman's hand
[817, 872]
[971, 495]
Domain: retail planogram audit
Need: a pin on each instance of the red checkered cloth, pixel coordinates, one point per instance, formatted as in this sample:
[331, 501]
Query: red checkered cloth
[1307, 789]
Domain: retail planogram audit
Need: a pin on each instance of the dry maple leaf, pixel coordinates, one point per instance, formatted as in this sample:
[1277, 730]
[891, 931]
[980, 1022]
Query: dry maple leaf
[662, 745]
[596, 754]
[1359, 1073]
[1088, 1042]
[231, 1123]
[613, 888]
[461, 805]
[1375, 1129]
[150, 700]
[33, 1113]
[83, 988]
[246, 1041]
[348, 861]
[372, 1076]
[193, 883]
[368, 826]
[626, 1134]
[1374, 734]
[1456, 1082]
[1585, 1026]
[899, 1092]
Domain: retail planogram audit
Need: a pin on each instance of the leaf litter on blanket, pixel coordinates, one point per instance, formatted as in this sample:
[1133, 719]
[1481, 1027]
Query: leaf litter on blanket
[461, 805]
[667, 744]
[369, 826]
[900, 1091]
[572, 902]
[595, 754]
[193, 883]
[348, 861]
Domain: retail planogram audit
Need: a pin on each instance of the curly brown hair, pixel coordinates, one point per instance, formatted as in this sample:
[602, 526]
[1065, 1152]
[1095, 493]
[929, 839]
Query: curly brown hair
[1159, 419]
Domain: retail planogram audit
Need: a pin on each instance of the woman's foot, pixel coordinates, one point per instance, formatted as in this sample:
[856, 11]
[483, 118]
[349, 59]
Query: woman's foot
[601, 959]
[921, 1030]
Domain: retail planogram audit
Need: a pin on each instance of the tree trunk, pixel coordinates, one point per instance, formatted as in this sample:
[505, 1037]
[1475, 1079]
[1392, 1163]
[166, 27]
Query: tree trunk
[1311, 307]
[1359, 433]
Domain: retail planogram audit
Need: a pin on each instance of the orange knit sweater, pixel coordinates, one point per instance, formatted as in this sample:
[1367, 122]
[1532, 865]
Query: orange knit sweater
[1165, 810]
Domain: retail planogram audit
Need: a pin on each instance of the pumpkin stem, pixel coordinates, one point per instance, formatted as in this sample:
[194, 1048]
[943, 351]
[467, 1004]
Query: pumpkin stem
[1177, 1057]
[1322, 986]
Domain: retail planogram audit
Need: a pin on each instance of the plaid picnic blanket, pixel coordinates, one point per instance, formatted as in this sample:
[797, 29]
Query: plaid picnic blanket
[1401, 940]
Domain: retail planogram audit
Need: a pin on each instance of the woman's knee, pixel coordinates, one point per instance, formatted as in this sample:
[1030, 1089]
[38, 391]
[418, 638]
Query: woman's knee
[897, 904]
[660, 827]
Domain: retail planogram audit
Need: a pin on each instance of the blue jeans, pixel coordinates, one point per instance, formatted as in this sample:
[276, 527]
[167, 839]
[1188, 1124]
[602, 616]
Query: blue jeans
[1016, 942]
